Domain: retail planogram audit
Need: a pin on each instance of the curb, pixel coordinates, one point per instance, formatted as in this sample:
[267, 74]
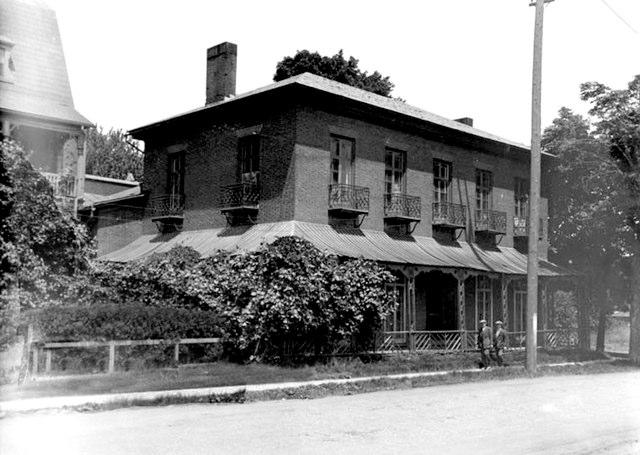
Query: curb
[230, 394]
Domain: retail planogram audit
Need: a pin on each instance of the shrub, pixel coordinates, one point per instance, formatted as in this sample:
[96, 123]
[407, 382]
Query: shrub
[123, 322]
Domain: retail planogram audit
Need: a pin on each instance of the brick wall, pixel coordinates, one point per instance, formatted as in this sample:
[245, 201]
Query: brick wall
[315, 128]
[295, 164]
[115, 228]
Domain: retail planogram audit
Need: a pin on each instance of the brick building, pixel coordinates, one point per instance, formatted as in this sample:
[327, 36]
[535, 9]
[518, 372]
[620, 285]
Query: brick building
[36, 105]
[442, 203]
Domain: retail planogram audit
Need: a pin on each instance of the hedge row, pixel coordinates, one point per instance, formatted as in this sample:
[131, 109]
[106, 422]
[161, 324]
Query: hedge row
[122, 322]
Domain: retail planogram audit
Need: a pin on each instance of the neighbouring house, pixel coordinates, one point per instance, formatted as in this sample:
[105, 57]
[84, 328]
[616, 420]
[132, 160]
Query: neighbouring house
[36, 105]
[441, 203]
[113, 211]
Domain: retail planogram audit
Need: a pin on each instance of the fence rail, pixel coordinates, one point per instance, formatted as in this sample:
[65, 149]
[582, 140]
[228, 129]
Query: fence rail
[47, 348]
[384, 342]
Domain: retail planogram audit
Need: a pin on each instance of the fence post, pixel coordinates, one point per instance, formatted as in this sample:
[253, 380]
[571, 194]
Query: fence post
[112, 356]
[34, 365]
[47, 362]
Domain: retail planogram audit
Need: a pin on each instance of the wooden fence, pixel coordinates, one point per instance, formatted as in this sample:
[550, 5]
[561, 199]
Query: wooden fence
[385, 342]
[46, 348]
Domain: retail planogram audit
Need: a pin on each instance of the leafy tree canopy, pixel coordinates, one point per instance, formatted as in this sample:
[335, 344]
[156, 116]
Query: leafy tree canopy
[113, 155]
[336, 68]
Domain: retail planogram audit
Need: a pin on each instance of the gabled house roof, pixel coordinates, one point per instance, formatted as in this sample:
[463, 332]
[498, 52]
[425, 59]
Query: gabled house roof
[347, 93]
[39, 87]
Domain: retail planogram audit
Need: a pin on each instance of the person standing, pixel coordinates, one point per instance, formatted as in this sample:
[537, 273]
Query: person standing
[500, 342]
[485, 341]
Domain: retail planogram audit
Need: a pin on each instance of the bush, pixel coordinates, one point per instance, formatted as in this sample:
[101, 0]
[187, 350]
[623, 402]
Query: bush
[122, 322]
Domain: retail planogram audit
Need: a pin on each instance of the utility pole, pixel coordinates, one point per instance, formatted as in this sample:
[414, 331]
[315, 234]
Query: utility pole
[534, 193]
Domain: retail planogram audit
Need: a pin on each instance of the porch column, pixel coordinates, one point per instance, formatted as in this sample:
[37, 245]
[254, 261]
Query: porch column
[504, 289]
[411, 295]
[461, 276]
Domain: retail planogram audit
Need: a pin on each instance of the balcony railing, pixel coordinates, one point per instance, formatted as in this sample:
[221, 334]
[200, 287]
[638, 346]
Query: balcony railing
[521, 227]
[491, 222]
[168, 206]
[348, 198]
[63, 185]
[446, 214]
[241, 196]
[402, 206]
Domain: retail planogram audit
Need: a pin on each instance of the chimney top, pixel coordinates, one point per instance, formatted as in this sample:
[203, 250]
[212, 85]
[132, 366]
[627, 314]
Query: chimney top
[221, 71]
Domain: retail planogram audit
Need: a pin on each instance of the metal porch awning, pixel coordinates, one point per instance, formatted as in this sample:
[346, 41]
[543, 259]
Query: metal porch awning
[374, 245]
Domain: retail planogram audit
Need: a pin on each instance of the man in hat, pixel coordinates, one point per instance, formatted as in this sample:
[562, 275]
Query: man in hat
[499, 342]
[485, 341]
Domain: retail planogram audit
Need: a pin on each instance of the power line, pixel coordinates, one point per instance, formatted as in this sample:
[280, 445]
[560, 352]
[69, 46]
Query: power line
[620, 17]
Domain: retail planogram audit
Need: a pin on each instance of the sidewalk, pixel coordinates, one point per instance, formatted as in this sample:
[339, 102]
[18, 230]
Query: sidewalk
[254, 392]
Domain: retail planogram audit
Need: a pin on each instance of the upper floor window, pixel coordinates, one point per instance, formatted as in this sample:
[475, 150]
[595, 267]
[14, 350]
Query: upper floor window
[249, 158]
[394, 169]
[484, 189]
[176, 173]
[6, 62]
[521, 197]
[441, 181]
[342, 161]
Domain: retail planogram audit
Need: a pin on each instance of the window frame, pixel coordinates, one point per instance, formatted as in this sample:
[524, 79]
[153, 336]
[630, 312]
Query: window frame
[521, 198]
[176, 174]
[484, 189]
[342, 168]
[249, 150]
[392, 172]
[441, 184]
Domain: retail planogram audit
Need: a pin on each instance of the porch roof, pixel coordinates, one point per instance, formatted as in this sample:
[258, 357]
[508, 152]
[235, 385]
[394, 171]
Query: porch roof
[375, 245]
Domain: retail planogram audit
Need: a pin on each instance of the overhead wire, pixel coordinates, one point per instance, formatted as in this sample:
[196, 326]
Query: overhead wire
[620, 17]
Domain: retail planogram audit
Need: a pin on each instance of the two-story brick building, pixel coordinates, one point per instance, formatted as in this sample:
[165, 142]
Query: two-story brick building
[440, 202]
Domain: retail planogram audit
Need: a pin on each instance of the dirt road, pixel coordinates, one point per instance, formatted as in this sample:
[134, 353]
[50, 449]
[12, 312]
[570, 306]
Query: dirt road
[594, 414]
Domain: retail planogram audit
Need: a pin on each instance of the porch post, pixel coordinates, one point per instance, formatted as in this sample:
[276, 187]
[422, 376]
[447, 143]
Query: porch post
[461, 276]
[504, 289]
[412, 308]
[543, 310]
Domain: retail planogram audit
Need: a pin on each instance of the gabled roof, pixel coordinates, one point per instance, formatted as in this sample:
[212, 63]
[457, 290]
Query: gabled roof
[40, 87]
[328, 86]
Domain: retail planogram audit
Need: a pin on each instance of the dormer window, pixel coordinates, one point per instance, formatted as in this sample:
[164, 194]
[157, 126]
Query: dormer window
[6, 62]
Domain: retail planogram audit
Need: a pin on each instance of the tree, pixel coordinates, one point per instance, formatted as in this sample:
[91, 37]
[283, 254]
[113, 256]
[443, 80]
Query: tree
[336, 68]
[616, 116]
[112, 155]
[43, 248]
[585, 218]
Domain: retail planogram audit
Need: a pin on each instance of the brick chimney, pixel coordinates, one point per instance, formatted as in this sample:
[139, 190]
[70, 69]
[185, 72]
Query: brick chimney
[466, 120]
[221, 71]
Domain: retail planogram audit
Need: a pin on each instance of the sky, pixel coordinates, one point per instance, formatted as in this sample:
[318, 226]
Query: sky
[134, 62]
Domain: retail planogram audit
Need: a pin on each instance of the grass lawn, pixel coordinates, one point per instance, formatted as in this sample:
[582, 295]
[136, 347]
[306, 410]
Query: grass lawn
[228, 374]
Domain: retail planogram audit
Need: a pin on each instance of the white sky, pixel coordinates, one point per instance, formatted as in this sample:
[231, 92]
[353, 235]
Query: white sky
[133, 62]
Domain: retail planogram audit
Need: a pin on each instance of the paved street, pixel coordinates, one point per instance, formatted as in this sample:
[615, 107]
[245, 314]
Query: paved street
[555, 415]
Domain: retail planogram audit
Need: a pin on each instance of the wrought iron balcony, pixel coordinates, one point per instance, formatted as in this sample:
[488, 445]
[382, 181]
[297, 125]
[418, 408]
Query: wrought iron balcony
[491, 222]
[348, 199]
[521, 227]
[402, 207]
[240, 197]
[167, 208]
[446, 214]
